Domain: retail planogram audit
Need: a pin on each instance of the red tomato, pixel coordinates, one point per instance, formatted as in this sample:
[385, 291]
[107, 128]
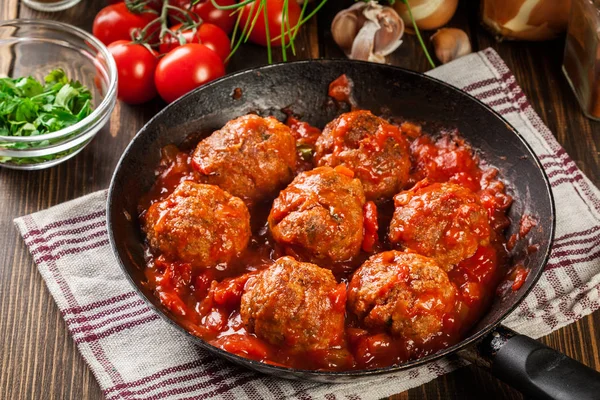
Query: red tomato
[155, 4]
[208, 12]
[209, 35]
[116, 22]
[185, 68]
[136, 66]
[274, 18]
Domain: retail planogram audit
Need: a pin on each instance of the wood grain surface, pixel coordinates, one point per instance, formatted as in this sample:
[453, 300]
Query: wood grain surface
[38, 358]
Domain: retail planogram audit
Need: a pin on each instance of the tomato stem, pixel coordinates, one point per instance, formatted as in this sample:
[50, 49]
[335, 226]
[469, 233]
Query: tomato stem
[139, 6]
[231, 7]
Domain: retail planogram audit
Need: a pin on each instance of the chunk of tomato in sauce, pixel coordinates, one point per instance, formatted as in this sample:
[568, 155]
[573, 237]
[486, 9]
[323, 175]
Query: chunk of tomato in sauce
[341, 89]
[202, 284]
[303, 132]
[173, 302]
[172, 276]
[378, 350]
[243, 345]
[481, 267]
[216, 320]
[520, 277]
[370, 227]
[338, 297]
[332, 359]
[228, 293]
[448, 159]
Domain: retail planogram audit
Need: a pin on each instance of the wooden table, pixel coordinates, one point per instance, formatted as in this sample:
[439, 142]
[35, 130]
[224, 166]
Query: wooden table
[39, 359]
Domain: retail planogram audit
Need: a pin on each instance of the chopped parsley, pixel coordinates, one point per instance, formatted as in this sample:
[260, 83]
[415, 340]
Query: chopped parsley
[32, 108]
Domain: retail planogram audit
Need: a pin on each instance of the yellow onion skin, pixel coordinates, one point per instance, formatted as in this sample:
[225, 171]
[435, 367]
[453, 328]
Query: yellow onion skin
[428, 14]
[533, 20]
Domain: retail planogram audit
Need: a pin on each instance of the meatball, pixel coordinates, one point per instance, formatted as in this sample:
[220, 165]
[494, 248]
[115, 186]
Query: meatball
[295, 304]
[250, 157]
[406, 294]
[375, 150]
[319, 216]
[442, 220]
[199, 224]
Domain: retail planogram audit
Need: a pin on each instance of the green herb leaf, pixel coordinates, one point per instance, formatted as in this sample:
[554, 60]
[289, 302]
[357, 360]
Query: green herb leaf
[29, 87]
[32, 108]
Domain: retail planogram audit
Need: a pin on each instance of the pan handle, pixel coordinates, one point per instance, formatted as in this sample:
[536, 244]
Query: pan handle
[533, 368]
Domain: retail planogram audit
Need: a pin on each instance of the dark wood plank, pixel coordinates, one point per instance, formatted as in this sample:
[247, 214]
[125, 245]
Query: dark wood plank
[39, 360]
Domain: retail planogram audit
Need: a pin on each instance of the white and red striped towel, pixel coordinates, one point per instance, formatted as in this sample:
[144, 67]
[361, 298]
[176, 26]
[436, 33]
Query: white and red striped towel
[134, 354]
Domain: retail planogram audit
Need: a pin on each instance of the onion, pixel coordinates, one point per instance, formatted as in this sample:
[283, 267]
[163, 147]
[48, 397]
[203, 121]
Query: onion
[428, 14]
[526, 19]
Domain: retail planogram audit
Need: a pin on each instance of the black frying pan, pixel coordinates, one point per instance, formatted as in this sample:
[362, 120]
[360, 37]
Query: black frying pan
[302, 87]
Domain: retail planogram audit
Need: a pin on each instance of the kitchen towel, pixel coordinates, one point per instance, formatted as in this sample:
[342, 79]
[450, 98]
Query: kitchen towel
[134, 354]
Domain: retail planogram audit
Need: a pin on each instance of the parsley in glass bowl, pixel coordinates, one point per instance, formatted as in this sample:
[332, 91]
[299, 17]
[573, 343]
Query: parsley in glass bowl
[58, 88]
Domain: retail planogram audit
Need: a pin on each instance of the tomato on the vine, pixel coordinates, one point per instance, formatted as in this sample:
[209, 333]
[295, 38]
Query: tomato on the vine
[116, 22]
[275, 20]
[155, 4]
[205, 9]
[209, 35]
[136, 66]
[185, 68]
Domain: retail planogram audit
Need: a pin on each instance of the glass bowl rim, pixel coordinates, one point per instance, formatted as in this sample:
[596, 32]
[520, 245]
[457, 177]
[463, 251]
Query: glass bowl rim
[59, 5]
[105, 105]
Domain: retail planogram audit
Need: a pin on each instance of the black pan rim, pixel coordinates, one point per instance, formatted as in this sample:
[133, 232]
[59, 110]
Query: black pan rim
[256, 365]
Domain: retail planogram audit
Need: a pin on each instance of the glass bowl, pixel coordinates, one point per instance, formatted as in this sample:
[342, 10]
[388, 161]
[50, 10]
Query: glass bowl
[50, 6]
[35, 48]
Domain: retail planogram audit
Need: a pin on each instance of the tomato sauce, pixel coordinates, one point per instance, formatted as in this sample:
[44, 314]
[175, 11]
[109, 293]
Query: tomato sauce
[206, 302]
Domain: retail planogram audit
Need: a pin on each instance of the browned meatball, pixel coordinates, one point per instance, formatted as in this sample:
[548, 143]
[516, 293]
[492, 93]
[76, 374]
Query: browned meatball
[295, 304]
[375, 150]
[199, 224]
[406, 294]
[250, 157]
[442, 220]
[319, 216]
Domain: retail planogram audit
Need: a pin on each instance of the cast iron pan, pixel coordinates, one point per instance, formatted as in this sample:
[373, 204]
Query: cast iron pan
[302, 87]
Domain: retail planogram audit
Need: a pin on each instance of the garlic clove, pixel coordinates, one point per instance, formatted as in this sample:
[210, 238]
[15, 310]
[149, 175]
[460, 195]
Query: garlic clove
[387, 38]
[362, 47]
[344, 29]
[450, 44]
[368, 31]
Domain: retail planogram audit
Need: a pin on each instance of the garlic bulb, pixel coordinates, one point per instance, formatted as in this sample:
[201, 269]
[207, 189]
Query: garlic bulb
[450, 44]
[428, 14]
[367, 31]
[526, 19]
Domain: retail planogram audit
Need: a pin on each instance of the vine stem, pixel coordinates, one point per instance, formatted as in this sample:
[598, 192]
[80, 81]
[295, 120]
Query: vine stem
[412, 19]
